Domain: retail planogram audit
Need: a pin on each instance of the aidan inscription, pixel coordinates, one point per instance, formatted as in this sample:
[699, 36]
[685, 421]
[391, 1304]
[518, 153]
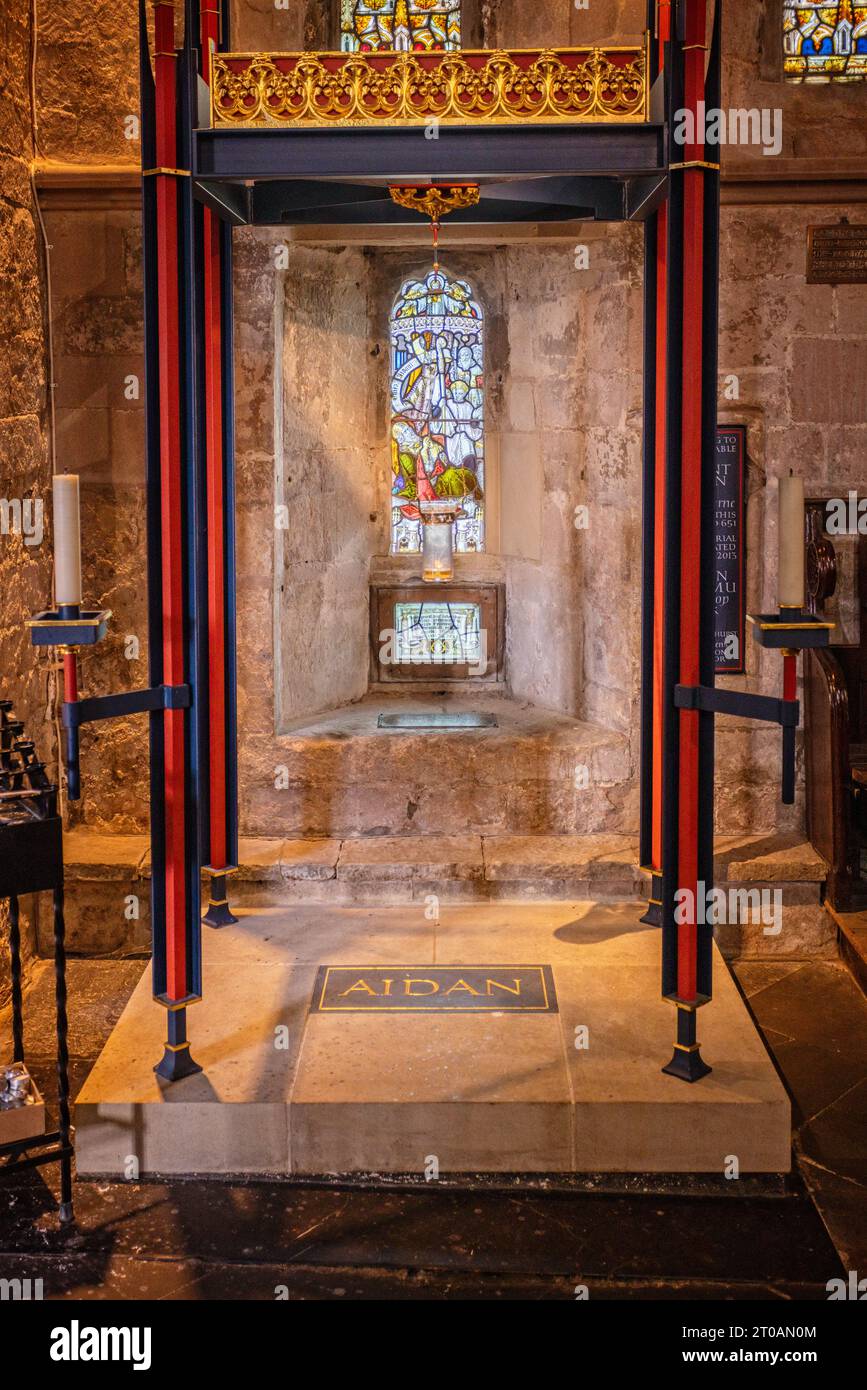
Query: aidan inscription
[454, 988]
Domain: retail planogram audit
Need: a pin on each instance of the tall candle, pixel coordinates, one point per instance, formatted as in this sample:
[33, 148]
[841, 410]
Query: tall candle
[67, 541]
[792, 542]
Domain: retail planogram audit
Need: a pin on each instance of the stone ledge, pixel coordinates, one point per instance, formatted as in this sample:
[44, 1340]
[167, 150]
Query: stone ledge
[591, 858]
[768, 858]
[388, 858]
[91, 856]
[304, 860]
[760, 861]
[376, 871]
[281, 861]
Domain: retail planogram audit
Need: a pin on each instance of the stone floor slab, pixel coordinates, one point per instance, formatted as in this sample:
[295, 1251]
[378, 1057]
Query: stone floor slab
[287, 1091]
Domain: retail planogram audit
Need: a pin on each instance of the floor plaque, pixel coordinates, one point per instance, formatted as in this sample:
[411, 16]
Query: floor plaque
[417, 720]
[440, 988]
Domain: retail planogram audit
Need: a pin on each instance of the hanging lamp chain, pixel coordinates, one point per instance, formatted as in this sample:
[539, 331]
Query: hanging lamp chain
[435, 201]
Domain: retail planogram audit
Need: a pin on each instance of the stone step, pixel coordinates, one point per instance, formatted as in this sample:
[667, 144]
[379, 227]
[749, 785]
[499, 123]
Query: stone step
[396, 869]
[852, 938]
[108, 881]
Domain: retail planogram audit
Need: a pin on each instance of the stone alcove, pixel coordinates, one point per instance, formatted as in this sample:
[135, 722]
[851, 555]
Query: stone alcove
[563, 415]
[546, 407]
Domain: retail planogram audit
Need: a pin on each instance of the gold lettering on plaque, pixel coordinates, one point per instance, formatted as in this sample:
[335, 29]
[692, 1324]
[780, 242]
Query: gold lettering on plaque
[496, 984]
[494, 989]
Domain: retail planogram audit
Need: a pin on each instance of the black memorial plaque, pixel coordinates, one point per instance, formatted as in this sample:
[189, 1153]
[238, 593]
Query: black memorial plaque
[730, 550]
[437, 988]
[837, 254]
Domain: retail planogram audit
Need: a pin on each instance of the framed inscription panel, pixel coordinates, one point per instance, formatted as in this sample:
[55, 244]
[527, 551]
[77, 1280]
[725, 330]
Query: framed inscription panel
[437, 632]
[730, 600]
[837, 254]
[435, 988]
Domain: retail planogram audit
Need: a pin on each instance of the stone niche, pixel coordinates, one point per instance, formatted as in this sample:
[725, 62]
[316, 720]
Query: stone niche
[562, 419]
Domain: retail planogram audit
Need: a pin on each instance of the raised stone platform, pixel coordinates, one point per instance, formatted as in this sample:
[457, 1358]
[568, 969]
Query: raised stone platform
[537, 772]
[287, 1091]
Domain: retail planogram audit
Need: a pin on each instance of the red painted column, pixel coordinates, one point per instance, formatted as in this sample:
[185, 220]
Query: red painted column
[218, 913]
[664, 23]
[216, 562]
[165, 78]
[691, 489]
[212, 262]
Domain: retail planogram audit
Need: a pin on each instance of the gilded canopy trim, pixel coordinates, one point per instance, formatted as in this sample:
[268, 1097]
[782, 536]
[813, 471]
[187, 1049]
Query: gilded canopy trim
[549, 86]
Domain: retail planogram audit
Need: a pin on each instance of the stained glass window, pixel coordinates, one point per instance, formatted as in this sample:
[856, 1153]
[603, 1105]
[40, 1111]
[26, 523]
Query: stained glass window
[437, 409]
[401, 25]
[825, 43]
[432, 633]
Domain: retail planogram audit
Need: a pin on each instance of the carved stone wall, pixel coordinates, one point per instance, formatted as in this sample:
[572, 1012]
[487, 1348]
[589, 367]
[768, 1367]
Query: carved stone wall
[99, 395]
[25, 583]
[87, 80]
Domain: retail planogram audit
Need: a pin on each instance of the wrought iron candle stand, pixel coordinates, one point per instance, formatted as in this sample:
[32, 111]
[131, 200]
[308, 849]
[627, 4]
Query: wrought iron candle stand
[67, 629]
[31, 861]
[789, 631]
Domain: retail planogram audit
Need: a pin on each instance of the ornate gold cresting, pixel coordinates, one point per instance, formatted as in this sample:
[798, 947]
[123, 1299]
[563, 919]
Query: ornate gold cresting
[338, 89]
[435, 201]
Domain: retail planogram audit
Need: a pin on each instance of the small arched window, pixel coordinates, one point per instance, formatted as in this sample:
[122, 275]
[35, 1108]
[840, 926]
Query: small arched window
[437, 409]
[368, 26]
[825, 43]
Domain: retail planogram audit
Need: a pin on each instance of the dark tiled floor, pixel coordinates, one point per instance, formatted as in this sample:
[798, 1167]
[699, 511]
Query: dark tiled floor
[814, 1020]
[691, 1240]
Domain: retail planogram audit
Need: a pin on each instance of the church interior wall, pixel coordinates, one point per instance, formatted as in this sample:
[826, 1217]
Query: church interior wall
[25, 569]
[566, 413]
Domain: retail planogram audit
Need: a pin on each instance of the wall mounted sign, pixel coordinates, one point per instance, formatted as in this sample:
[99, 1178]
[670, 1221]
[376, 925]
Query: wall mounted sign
[438, 988]
[837, 254]
[730, 549]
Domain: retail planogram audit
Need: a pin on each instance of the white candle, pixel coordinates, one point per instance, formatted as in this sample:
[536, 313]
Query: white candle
[792, 542]
[67, 541]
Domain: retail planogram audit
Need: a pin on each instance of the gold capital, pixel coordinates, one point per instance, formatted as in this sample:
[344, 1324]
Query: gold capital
[496, 984]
